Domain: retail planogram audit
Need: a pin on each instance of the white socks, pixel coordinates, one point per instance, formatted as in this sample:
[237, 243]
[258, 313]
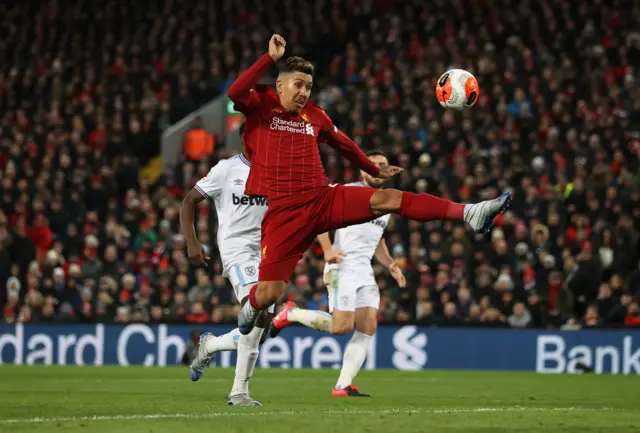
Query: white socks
[247, 357]
[319, 320]
[354, 355]
[247, 347]
[228, 341]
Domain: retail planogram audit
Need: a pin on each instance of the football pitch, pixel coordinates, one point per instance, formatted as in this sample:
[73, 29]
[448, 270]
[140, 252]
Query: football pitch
[154, 400]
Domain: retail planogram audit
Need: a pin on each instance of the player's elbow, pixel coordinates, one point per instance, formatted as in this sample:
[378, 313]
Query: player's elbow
[190, 200]
[233, 94]
[236, 93]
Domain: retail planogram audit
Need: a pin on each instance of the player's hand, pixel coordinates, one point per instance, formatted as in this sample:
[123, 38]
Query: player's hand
[333, 256]
[197, 254]
[397, 274]
[276, 47]
[388, 171]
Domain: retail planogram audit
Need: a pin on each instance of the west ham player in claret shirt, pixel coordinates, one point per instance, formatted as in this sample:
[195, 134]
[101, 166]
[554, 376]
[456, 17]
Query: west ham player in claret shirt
[281, 140]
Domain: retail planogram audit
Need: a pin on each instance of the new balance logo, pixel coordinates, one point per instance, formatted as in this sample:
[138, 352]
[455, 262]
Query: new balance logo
[249, 201]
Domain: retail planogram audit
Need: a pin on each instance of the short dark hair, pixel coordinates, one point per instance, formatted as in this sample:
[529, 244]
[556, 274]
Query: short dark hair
[296, 64]
[376, 152]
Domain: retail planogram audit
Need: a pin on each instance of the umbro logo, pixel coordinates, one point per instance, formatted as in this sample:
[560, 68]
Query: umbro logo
[238, 182]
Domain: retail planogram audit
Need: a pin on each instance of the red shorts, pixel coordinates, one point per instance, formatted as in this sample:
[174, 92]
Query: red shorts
[292, 223]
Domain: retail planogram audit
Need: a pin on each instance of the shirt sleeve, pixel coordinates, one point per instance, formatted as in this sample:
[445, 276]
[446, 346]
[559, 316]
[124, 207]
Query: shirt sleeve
[242, 92]
[211, 185]
[337, 139]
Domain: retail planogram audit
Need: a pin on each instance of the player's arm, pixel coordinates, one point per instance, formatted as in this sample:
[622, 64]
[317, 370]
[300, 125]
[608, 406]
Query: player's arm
[348, 148]
[331, 255]
[384, 258]
[240, 92]
[195, 250]
[209, 186]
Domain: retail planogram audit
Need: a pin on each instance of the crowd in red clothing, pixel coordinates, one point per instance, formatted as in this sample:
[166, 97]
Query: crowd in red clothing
[88, 89]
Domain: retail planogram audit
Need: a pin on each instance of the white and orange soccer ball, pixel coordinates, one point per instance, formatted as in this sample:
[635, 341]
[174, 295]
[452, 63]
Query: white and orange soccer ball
[457, 90]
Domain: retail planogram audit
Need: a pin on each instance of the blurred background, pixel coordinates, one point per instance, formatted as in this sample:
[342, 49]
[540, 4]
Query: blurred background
[110, 111]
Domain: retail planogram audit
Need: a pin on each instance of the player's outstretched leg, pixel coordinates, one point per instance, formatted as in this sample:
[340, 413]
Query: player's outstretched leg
[290, 313]
[481, 216]
[208, 345]
[356, 351]
[425, 207]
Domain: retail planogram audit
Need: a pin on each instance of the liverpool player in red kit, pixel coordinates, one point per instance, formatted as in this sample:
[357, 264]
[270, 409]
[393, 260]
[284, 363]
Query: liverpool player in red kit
[281, 138]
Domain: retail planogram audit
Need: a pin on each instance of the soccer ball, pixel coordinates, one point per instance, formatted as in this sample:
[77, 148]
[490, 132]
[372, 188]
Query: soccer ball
[457, 89]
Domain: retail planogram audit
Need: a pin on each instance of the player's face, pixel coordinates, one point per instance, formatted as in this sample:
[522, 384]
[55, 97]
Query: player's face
[294, 90]
[371, 181]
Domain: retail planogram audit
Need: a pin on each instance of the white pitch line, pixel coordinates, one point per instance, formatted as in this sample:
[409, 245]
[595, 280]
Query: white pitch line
[154, 416]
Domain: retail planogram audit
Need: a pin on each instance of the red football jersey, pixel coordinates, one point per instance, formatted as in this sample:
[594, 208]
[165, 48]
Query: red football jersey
[282, 146]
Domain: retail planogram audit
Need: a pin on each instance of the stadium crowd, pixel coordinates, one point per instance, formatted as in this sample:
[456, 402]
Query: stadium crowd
[86, 91]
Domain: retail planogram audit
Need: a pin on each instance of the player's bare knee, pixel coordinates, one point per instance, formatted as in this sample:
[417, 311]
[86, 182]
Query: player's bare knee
[385, 201]
[341, 327]
[368, 327]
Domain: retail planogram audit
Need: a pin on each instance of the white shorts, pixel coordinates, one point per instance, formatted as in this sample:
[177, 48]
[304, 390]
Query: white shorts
[349, 291]
[243, 277]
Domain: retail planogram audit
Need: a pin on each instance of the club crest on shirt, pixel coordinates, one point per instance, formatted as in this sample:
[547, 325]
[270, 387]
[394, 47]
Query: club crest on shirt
[304, 117]
[250, 271]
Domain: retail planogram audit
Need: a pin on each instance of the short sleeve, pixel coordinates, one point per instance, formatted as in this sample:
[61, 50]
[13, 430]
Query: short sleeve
[210, 186]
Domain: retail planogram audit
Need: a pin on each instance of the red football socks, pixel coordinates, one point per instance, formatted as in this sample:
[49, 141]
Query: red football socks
[252, 297]
[426, 207]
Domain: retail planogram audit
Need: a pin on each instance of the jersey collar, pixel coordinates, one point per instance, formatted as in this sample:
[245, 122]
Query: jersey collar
[244, 159]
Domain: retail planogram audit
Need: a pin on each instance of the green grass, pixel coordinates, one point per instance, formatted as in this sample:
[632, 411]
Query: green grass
[153, 400]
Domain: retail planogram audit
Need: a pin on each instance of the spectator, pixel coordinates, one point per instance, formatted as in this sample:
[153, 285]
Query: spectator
[592, 317]
[450, 316]
[521, 318]
[633, 315]
[198, 143]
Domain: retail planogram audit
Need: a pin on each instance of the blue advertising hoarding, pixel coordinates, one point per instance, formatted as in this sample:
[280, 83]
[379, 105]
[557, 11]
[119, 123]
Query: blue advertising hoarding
[396, 347]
